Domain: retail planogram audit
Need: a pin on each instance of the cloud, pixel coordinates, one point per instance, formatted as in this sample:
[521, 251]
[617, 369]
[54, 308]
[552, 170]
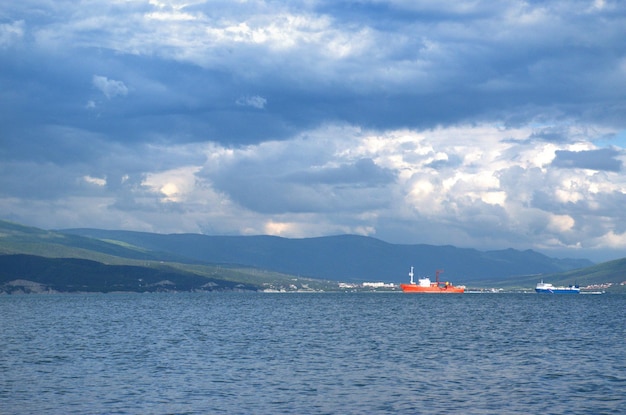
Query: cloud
[95, 180]
[174, 184]
[362, 172]
[109, 87]
[377, 64]
[481, 124]
[601, 159]
[11, 33]
[339, 179]
[253, 101]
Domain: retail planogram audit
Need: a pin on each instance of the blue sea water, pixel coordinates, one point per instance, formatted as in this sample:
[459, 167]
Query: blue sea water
[385, 353]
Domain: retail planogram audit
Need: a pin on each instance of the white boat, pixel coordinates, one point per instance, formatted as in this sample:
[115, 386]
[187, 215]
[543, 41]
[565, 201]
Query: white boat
[545, 288]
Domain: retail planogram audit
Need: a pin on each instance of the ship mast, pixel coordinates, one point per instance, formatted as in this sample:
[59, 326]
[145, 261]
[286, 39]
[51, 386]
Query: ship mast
[411, 275]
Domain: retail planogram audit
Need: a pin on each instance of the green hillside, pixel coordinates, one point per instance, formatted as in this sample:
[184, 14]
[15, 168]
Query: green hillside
[19, 239]
[35, 260]
[611, 272]
[608, 276]
[28, 273]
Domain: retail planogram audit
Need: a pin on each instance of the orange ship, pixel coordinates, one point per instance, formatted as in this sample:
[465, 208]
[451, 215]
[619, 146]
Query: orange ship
[425, 286]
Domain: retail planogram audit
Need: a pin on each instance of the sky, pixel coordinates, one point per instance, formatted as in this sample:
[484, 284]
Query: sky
[480, 124]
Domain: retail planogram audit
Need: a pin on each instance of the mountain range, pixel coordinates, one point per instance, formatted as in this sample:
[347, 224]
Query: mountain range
[342, 257]
[175, 261]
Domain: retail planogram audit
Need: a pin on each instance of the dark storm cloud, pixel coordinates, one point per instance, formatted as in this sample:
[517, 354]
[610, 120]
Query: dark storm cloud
[363, 172]
[279, 190]
[601, 160]
[556, 135]
[404, 65]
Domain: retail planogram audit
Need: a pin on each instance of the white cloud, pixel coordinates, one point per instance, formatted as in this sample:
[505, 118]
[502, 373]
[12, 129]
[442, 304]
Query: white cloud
[612, 240]
[254, 101]
[461, 196]
[109, 87]
[561, 223]
[95, 180]
[489, 198]
[11, 33]
[173, 185]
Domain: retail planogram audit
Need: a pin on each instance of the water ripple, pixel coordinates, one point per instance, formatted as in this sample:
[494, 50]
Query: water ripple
[312, 354]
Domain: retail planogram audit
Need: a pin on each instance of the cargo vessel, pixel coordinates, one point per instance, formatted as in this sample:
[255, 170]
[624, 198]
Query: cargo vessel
[426, 286]
[545, 288]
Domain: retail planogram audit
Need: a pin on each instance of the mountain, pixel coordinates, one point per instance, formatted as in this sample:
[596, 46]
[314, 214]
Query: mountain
[341, 258]
[16, 238]
[610, 274]
[29, 273]
[34, 260]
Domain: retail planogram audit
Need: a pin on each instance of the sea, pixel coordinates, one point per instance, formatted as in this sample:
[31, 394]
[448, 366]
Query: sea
[312, 353]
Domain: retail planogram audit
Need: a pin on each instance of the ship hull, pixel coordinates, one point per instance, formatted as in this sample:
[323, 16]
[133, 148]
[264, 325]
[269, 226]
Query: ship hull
[434, 289]
[557, 291]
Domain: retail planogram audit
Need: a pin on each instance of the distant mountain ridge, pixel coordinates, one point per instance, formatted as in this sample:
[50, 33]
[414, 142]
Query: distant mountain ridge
[94, 260]
[343, 257]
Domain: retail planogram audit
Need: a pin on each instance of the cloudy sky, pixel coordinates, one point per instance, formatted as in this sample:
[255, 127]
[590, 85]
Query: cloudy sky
[484, 124]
